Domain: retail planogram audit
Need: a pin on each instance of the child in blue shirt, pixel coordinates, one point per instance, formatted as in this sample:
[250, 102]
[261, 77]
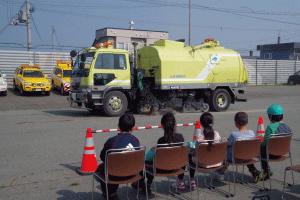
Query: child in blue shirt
[241, 121]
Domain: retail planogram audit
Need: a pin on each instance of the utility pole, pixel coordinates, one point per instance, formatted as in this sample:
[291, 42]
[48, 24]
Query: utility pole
[53, 44]
[189, 22]
[28, 25]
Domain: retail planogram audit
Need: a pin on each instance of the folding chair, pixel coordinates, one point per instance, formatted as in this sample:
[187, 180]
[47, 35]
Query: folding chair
[244, 148]
[171, 157]
[209, 156]
[295, 168]
[278, 145]
[123, 163]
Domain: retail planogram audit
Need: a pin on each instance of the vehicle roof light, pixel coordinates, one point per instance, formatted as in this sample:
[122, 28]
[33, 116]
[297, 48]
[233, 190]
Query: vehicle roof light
[209, 40]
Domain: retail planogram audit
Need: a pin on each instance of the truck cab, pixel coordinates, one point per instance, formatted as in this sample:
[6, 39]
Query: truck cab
[101, 71]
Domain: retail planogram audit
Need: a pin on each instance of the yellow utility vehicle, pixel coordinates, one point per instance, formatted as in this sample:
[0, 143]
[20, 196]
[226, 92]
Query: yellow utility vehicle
[60, 78]
[30, 78]
[191, 79]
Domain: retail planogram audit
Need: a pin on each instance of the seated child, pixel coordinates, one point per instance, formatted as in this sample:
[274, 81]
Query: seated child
[206, 121]
[275, 114]
[241, 121]
[168, 124]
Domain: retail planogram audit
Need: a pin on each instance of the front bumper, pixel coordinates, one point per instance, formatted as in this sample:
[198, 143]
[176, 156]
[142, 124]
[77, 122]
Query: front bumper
[77, 97]
[37, 89]
[3, 88]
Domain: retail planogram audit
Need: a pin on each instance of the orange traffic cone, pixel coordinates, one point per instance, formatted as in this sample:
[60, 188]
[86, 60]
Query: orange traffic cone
[260, 132]
[197, 131]
[89, 159]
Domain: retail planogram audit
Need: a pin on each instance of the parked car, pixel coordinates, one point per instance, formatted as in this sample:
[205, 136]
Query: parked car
[60, 78]
[3, 84]
[29, 78]
[294, 79]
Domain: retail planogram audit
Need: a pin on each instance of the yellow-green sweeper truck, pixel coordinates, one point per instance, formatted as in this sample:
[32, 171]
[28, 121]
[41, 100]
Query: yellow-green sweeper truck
[191, 79]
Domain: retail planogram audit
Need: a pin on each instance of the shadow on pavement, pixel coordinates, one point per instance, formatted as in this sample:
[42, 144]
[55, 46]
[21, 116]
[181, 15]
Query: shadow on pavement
[74, 113]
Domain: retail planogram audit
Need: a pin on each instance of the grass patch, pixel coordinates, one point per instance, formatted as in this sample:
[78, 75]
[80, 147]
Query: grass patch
[74, 184]
[1, 186]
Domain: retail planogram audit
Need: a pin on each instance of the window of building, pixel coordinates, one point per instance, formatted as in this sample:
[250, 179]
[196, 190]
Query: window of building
[268, 55]
[122, 45]
[297, 56]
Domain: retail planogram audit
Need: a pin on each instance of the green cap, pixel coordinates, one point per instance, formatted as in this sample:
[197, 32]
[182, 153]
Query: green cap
[275, 110]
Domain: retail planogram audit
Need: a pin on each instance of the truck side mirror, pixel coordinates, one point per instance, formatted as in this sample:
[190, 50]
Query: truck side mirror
[73, 53]
[81, 66]
[83, 57]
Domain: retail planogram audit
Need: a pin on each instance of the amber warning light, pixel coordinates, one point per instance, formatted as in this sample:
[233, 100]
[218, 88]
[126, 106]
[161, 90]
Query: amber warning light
[209, 40]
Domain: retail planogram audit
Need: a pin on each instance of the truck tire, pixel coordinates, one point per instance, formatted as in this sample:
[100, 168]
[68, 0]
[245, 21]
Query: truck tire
[52, 85]
[22, 92]
[5, 93]
[14, 86]
[47, 93]
[219, 100]
[62, 91]
[115, 104]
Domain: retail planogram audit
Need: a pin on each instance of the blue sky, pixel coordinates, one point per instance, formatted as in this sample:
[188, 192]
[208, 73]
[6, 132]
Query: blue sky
[237, 24]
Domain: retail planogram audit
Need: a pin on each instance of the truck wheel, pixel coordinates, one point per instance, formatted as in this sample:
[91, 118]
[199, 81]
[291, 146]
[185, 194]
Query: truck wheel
[52, 85]
[62, 91]
[115, 104]
[22, 92]
[219, 100]
[291, 82]
[14, 86]
[47, 93]
[5, 93]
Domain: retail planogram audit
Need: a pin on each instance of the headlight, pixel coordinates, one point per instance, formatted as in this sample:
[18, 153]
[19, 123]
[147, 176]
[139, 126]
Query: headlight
[47, 83]
[86, 90]
[42, 84]
[34, 84]
[27, 83]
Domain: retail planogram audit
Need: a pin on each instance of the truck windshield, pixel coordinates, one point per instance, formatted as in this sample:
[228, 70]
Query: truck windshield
[76, 71]
[67, 73]
[31, 73]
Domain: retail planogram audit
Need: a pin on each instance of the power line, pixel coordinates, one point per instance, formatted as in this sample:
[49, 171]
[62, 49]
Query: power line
[162, 23]
[195, 6]
[57, 40]
[36, 29]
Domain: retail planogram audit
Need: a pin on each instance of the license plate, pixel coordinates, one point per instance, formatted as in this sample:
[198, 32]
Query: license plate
[38, 90]
[74, 96]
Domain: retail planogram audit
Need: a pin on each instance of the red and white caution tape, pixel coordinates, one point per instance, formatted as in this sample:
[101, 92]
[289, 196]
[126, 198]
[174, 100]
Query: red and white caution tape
[139, 128]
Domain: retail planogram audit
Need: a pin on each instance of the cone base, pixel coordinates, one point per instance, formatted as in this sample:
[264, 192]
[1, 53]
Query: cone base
[83, 173]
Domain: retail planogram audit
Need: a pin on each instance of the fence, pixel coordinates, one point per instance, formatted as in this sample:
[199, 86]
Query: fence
[270, 71]
[259, 71]
[10, 60]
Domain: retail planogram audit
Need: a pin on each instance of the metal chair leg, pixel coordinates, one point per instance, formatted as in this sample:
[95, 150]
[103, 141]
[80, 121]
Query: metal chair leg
[154, 186]
[283, 183]
[233, 181]
[127, 190]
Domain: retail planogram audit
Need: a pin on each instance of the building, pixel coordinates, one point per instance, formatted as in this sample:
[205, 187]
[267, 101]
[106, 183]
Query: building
[280, 51]
[123, 38]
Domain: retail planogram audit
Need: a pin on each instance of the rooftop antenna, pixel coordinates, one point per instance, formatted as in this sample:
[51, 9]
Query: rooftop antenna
[278, 42]
[131, 25]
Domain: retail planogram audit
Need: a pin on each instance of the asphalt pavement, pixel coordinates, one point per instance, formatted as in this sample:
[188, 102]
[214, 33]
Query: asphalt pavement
[42, 140]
